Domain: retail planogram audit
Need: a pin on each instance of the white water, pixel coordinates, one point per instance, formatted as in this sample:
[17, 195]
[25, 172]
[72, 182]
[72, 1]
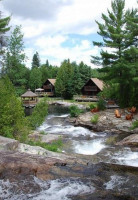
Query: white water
[60, 128]
[50, 190]
[89, 147]
[115, 181]
[126, 157]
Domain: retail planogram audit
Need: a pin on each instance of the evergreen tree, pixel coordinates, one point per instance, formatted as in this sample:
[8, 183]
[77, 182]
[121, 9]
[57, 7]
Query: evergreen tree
[12, 120]
[36, 60]
[35, 79]
[118, 38]
[77, 81]
[85, 72]
[3, 29]
[14, 60]
[64, 82]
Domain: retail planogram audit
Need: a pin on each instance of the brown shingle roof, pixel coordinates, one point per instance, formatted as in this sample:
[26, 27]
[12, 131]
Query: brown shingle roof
[52, 81]
[98, 82]
[29, 93]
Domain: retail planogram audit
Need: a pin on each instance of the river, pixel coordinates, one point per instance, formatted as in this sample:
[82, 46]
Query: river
[84, 144]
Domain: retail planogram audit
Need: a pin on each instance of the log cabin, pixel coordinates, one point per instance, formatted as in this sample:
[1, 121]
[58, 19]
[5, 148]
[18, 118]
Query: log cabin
[92, 87]
[49, 87]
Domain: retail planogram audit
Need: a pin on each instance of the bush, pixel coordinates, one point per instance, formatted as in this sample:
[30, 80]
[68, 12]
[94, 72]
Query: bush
[92, 106]
[95, 119]
[54, 146]
[13, 123]
[39, 114]
[101, 104]
[74, 111]
[134, 125]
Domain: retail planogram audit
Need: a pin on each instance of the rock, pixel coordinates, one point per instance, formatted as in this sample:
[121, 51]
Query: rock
[131, 140]
[107, 121]
[47, 138]
[8, 144]
[20, 169]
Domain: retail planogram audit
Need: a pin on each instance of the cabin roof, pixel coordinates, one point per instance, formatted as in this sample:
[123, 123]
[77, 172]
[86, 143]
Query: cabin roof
[52, 81]
[29, 93]
[98, 82]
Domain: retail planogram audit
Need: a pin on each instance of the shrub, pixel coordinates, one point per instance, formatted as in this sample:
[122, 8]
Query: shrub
[101, 104]
[13, 123]
[54, 146]
[92, 106]
[39, 114]
[134, 125]
[75, 111]
[94, 119]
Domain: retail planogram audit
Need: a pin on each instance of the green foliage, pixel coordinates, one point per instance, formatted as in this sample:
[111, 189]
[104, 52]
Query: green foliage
[64, 84]
[35, 78]
[39, 114]
[95, 119]
[36, 61]
[119, 33]
[14, 59]
[75, 111]
[54, 146]
[3, 29]
[134, 125]
[101, 104]
[12, 121]
[92, 105]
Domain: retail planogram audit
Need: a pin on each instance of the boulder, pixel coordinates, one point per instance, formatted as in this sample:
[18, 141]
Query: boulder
[47, 138]
[131, 140]
[8, 143]
[107, 121]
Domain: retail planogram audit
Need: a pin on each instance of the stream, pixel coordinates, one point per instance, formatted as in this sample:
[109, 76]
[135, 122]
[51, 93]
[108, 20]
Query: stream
[84, 142]
[104, 182]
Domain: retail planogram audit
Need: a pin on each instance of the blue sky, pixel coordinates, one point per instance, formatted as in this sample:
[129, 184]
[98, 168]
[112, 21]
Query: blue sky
[59, 29]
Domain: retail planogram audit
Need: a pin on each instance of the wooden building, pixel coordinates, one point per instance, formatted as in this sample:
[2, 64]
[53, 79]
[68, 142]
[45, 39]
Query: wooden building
[39, 92]
[29, 99]
[92, 87]
[49, 87]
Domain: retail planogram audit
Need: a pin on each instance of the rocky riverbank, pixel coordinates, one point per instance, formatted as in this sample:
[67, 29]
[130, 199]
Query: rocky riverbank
[22, 172]
[107, 122]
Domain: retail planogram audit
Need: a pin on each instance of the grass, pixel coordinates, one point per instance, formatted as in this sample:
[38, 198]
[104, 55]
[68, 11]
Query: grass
[54, 146]
[95, 119]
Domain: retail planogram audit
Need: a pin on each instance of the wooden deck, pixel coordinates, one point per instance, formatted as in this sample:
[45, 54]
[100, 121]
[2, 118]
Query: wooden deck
[86, 99]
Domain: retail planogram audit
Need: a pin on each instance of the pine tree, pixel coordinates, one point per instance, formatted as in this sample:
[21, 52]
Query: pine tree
[64, 81]
[36, 60]
[117, 38]
[3, 29]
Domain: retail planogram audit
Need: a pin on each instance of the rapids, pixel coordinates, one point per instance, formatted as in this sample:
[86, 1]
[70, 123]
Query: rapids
[80, 140]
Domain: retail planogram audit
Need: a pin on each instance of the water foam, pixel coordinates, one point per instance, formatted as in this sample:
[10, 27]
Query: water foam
[60, 189]
[126, 157]
[89, 147]
[116, 181]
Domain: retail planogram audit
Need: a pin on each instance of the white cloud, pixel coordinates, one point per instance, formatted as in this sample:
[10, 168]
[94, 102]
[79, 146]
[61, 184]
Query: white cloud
[47, 24]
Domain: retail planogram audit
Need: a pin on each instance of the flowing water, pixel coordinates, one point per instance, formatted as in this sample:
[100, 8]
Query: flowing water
[81, 142]
[86, 142]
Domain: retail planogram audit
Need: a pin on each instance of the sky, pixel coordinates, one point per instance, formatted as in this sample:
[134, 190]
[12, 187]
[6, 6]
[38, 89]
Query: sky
[59, 29]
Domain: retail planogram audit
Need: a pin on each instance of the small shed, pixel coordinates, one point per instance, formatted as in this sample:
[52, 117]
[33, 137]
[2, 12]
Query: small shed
[92, 87]
[29, 99]
[49, 87]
